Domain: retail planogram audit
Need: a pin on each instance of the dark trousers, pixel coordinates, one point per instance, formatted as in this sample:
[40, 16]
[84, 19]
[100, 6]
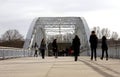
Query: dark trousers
[76, 54]
[43, 53]
[104, 50]
[76, 58]
[55, 53]
[35, 54]
[93, 53]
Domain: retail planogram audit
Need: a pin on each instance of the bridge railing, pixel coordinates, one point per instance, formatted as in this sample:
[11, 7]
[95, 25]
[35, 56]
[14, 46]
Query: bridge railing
[113, 52]
[6, 52]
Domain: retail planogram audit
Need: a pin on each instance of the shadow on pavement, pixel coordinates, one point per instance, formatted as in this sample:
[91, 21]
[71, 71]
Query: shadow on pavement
[97, 69]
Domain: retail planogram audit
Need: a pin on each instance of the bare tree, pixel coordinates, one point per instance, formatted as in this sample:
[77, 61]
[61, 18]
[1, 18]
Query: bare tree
[105, 32]
[97, 30]
[114, 36]
[11, 35]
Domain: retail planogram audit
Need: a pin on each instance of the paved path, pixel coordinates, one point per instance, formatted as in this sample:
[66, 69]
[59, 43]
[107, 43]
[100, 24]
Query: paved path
[61, 67]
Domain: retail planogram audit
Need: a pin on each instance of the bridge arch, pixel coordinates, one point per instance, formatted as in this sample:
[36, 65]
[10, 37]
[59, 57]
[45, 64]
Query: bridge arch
[43, 27]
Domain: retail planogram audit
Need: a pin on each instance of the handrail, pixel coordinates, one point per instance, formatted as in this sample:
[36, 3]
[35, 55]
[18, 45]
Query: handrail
[9, 52]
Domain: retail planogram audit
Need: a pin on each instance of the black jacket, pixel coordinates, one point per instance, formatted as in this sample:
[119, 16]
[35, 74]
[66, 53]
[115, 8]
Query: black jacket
[104, 43]
[76, 45]
[93, 41]
[54, 46]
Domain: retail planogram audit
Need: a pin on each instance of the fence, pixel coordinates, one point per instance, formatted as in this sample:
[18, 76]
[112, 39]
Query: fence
[113, 52]
[6, 52]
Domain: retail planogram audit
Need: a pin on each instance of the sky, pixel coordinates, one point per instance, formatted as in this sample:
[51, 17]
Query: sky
[19, 14]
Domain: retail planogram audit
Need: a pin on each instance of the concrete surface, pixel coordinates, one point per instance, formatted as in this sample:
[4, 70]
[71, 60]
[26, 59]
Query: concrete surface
[60, 67]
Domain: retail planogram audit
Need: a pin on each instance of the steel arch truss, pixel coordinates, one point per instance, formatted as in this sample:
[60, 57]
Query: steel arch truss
[48, 27]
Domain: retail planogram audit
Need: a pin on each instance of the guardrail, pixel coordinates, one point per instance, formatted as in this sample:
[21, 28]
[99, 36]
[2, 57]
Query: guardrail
[6, 52]
[112, 52]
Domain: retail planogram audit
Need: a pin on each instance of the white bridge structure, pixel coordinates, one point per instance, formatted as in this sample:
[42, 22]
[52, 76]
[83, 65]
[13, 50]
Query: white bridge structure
[61, 28]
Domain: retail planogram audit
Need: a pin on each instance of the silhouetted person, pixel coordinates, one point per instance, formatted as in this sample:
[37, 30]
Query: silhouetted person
[104, 47]
[76, 47]
[93, 44]
[42, 48]
[36, 49]
[55, 48]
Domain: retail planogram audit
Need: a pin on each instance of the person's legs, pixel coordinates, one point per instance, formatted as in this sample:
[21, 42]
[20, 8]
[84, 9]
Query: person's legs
[39, 52]
[106, 54]
[56, 54]
[42, 52]
[76, 53]
[35, 54]
[95, 55]
[91, 53]
[76, 57]
[102, 54]
[53, 52]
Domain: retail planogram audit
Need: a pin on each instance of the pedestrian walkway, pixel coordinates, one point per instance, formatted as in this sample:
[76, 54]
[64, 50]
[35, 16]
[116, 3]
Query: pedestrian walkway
[60, 67]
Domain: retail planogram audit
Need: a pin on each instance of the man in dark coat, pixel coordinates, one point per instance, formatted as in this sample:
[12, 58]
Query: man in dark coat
[55, 48]
[104, 47]
[93, 44]
[76, 46]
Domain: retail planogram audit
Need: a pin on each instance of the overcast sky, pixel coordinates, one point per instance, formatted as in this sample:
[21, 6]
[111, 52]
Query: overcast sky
[18, 14]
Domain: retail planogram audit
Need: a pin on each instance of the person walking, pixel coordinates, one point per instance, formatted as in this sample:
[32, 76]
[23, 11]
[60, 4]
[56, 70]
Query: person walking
[104, 47]
[42, 48]
[55, 48]
[93, 44]
[36, 49]
[76, 47]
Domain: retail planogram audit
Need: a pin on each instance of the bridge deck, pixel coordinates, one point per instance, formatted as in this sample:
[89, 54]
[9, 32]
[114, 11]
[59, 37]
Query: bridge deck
[60, 67]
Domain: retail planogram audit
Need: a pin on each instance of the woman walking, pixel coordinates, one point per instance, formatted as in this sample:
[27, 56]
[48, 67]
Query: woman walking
[55, 48]
[76, 47]
[104, 47]
[42, 48]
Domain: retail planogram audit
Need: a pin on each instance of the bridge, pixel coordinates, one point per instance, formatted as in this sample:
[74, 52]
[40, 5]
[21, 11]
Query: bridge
[19, 62]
